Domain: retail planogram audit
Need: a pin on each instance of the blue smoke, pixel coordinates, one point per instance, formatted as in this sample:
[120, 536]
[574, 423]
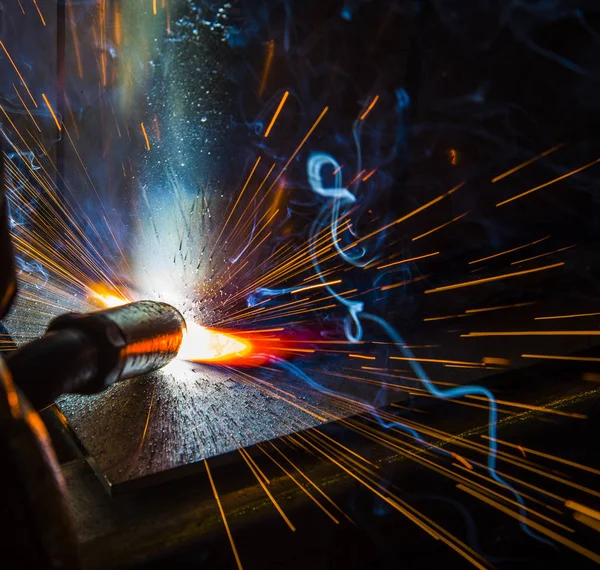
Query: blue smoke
[32, 269]
[338, 200]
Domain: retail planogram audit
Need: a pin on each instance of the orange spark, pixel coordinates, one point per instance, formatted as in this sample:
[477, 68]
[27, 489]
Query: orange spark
[499, 307]
[405, 282]
[237, 202]
[409, 259]
[39, 12]
[18, 72]
[462, 460]
[369, 108]
[495, 361]
[356, 177]
[494, 278]
[528, 162]
[443, 318]
[588, 521]
[551, 534]
[440, 227]
[532, 333]
[143, 438]
[145, 136]
[369, 174]
[257, 474]
[336, 282]
[118, 27]
[555, 357]
[302, 142]
[277, 111]
[543, 254]
[553, 181]
[26, 108]
[225, 524]
[434, 360]
[508, 251]
[268, 61]
[102, 10]
[278, 329]
[567, 316]
[308, 494]
[51, 111]
[406, 216]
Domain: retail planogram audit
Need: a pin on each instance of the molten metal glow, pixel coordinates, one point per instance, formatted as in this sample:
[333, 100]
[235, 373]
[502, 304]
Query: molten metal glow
[106, 299]
[206, 345]
[200, 344]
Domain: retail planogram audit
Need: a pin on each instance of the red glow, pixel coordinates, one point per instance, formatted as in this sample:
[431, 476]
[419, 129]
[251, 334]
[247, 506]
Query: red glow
[239, 348]
[201, 344]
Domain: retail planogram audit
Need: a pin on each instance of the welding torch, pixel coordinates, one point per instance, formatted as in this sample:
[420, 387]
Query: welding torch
[81, 353]
[87, 353]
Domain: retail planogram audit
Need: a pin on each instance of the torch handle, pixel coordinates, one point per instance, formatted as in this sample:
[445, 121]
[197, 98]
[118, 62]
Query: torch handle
[61, 361]
[86, 353]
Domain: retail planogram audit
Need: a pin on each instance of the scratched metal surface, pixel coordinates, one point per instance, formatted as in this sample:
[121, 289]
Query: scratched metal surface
[160, 423]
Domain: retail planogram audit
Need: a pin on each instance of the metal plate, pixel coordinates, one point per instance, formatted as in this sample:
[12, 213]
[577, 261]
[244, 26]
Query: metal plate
[159, 424]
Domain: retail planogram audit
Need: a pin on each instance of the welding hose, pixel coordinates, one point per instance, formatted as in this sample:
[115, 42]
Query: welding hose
[86, 353]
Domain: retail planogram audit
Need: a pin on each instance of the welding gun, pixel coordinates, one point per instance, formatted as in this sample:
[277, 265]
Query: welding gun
[81, 353]
[86, 353]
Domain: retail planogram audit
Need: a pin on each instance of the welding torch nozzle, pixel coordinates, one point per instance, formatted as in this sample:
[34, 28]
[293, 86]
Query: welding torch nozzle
[86, 353]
